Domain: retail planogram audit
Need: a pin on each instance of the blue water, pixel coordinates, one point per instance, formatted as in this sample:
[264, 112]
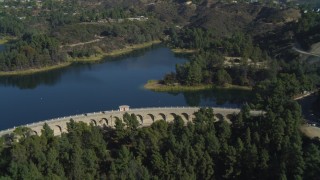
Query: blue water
[85, 88]
[2, 47]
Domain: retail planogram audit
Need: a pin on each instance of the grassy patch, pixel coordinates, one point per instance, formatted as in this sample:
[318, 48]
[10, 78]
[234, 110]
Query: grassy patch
[6, 39]
[35, 70]
[154, 85]
[183, 51]
[131, 48]
[98, 57]
[232, 86]
[93, 58]
[3, 41]
[118, 52]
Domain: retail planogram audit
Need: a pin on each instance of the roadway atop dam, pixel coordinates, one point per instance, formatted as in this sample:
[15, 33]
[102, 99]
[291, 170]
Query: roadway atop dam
[146, 116]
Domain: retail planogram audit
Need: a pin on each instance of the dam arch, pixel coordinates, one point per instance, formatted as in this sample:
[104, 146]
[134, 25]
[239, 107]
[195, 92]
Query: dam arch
[219, 117]
[93, 121]
[57, 129]
[104, 121]
[140, 118]
[185, 116]
[151, 116]
[163, 116]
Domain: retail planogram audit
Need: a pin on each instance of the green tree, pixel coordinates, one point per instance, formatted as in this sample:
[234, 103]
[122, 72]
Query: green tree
[47, 132]
[119, 129]
[312, 161]
[222, 77]
[194, 76]
[131, 121]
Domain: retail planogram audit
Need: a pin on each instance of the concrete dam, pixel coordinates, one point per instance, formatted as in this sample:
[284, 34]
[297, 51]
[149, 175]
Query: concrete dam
[146, 116]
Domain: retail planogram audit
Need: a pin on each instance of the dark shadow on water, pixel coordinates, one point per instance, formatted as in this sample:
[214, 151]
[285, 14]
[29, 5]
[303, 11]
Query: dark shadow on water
[134, 53]
[216, 97]
[310, 108]
[2, 47]
[313, 60]
[32, 81]
[52, 77]
[316, 106]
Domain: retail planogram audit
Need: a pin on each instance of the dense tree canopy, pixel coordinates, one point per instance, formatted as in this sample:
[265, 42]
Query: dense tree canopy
[247, 59]
[268, 147]
[33, 50]
[66, 27]
[11, 25]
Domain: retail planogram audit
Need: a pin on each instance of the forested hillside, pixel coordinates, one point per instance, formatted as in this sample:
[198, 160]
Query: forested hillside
[88, 29]
[258, 47]
[33, 50]
[74, 29]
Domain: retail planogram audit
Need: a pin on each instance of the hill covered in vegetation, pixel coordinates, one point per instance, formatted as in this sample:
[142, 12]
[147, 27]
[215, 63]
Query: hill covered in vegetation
[244, 44]
[83, 29]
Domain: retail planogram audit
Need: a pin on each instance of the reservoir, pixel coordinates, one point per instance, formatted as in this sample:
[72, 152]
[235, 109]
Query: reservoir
[92, 87]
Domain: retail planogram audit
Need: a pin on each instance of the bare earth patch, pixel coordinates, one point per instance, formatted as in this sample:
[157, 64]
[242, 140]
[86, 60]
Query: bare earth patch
[310, 131]
[315, 48]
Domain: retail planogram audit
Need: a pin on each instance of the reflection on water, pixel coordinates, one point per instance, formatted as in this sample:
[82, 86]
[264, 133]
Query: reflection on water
[316, 106]
[2, 47]
[52, 77]
[33, 80]
[216, 97]
[313, 59]
[307, 104]
[307, 108]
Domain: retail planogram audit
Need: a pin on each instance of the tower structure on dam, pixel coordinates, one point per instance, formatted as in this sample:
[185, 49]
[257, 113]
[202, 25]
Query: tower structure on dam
[146, 117]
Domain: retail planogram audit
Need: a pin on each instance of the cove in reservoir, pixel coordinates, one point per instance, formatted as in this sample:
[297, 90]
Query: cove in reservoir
[82, 88]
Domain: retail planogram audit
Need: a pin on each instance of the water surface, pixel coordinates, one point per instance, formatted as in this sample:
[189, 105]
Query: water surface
[85, 88]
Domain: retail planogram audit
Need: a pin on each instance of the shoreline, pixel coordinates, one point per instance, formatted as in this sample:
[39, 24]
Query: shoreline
[154, 85]
[301, 96]
[183, 51]
[114, 53]
[6, 39]
[70, 61]
[3, 41]
[35, 70]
